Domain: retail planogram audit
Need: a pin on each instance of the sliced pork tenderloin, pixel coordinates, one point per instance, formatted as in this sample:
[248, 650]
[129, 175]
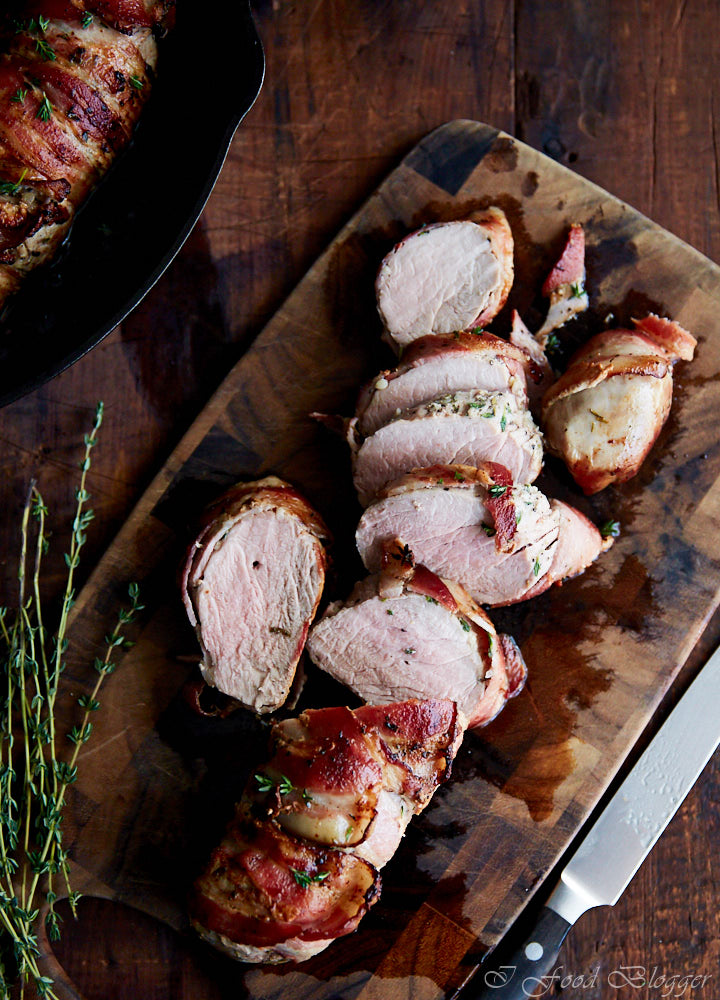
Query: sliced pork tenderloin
[251, 586]
[414, 635]
[446, 277]
[604, 414]
[436, 366]
[465, 524]
[463, 428]
[297, 867]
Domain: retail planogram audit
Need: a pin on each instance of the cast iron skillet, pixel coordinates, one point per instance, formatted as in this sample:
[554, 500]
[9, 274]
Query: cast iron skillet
[210, 71]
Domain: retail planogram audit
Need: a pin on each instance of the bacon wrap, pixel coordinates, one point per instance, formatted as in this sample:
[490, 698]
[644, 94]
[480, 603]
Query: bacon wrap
[125, 15]
[250, 894]
[672, 338]
[333, 756]
[271, 894]
[502, 508]
[570, 267]
[587, 374]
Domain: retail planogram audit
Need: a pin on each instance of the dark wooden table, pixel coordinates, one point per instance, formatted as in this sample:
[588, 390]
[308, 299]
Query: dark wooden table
[624, 94]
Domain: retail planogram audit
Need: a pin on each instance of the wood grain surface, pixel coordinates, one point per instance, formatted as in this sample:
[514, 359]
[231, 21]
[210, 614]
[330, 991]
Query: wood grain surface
[624, 96]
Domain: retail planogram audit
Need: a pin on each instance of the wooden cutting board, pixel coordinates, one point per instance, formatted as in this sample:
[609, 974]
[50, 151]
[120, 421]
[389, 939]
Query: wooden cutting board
[157, 782]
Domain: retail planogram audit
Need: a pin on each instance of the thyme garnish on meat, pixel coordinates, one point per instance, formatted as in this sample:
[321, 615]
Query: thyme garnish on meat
[283, 785]
[12, 187]
[45, 109]
[305, 879]
[34, 772]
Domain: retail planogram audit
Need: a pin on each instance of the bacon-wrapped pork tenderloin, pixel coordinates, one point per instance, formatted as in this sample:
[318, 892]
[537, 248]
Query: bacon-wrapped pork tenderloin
[74, 76]
[446, 277]
[502, 543]
[298, 866]
[251, 585]
[407, 633]
[463, 428]
[604, 414]
[465, 524]
[436, 366]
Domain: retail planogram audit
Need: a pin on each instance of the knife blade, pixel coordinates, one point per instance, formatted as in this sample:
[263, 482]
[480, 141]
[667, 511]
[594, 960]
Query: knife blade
[621, 838]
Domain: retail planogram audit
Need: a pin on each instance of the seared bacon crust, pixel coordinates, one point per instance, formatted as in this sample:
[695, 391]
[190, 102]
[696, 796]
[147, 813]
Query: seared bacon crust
[250, 895]
[275, 890]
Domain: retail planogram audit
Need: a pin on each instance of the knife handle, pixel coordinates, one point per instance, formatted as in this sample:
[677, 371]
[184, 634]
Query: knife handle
[530, 966]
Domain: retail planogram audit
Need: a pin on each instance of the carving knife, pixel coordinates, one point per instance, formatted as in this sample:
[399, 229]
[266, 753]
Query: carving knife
[620, 839]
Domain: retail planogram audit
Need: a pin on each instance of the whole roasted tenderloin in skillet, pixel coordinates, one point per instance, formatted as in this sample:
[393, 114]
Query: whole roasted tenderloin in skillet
[251, 585]
[298, 865]
[463, 428]
[502, 542]
[405, 632]
[446, 277]
[436, 366]
[74, 77]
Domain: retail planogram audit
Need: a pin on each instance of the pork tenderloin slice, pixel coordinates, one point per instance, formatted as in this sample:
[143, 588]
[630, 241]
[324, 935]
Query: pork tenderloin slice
[399, 648]
[435, 366]
[252, 584]
[450, 529]
[421, 637]
[463, 428]
[445, 277]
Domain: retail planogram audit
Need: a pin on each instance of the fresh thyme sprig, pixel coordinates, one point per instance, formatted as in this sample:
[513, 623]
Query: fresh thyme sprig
[34, 773]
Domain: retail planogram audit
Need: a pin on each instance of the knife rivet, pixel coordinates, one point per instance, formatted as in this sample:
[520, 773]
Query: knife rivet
[534, 951]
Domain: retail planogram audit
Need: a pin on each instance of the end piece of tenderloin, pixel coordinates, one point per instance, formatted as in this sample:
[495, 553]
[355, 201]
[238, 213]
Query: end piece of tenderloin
[70, 96]
[462, 428]
[446, 277]
[605, 412]
[436, 366]
[298, 865]
[578, 544]
[407, 633]
[251, 585]
[565, 286]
